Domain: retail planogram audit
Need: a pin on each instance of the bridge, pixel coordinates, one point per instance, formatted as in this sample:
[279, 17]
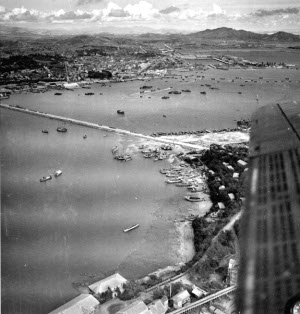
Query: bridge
[210, 298]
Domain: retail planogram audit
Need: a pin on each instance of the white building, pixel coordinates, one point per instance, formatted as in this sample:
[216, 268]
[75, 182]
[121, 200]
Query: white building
[113, 282]
[83, 304]
[180, 299]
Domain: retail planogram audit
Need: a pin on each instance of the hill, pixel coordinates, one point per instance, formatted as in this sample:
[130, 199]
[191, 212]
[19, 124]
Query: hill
[225, 33]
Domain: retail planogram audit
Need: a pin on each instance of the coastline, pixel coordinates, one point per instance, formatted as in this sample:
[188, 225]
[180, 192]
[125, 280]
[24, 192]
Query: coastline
[181, 233]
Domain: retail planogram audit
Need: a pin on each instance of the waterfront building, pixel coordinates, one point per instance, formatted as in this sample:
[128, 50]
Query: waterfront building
[158, 306]
[113, 282]
[83, 304]
[137, 307]
[181, 299]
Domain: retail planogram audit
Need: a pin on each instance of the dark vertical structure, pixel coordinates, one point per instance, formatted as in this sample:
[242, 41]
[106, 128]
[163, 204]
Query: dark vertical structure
[270, 245]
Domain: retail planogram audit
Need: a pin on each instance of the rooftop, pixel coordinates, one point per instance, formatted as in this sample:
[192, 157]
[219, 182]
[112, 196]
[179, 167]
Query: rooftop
[136, 307]
[111, 282]
[83, 304]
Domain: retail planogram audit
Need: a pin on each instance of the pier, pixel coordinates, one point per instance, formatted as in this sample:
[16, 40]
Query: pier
[98, 126]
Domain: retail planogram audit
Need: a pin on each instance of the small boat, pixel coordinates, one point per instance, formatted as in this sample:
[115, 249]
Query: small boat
[84, 136]
[165, 97]
[193, 198]
[131, 228]
[120, 112]
[45, 131]
[57, 173]
[114, 149]
[186, 90]
[63, 130]
[165, 170]
[127, 157]
[203, 93]
[57, 94]
[172, 181]
[89, 94]
[46, 178]
[148, 155]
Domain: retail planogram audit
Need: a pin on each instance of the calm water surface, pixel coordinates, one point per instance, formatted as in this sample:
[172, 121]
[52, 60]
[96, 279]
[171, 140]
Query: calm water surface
[56, 230]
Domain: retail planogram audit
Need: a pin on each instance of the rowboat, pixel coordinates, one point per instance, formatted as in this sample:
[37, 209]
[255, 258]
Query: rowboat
[131, 228]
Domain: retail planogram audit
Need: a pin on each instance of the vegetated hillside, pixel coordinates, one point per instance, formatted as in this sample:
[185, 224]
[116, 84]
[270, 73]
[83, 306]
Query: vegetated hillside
[225, 33]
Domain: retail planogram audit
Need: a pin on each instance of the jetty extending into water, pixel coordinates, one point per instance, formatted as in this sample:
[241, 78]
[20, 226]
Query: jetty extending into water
[97, 126]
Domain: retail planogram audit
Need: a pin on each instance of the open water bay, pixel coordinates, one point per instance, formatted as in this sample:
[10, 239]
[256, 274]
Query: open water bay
[56, 230]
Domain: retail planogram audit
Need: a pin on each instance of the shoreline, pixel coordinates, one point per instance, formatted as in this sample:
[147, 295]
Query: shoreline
[184, 231]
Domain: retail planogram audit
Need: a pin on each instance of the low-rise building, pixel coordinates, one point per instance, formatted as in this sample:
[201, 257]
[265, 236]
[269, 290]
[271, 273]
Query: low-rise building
[181, 299]
[233, 272]
[113, 282]
[83, 304]
[137, 307]
[221, 205]
[235, 175]
[231, 196]
[241, 163]
[198, 292]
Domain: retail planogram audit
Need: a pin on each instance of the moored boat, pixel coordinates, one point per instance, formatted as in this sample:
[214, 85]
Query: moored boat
[131, 228]
[172, 181]
[115, 149]
[45, 131]
[46, 178]
[120, 111]
[57, 173]
[61, 129]
[194, 198]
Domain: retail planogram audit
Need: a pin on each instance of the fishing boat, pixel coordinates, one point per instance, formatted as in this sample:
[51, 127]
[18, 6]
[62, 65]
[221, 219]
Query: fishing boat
[114, 149]
[120, 112]
[172, 181]
[131, 228]
[57, 173]
[63, 130]
[46, 178]
[194, 198]
[45, 131]
[165, 170]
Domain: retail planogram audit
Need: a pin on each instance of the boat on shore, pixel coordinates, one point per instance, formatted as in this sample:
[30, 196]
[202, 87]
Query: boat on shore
[131, 228]
[63, 130]
[46, 178]
[57, 173]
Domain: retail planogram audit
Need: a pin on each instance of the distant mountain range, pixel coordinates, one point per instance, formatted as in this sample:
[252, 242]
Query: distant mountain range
[223, 33]
[242, 35]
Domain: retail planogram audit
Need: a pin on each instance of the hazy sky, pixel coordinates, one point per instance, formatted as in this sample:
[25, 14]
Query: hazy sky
[156, 15]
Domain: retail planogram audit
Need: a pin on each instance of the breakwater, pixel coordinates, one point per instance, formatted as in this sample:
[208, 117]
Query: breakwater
[97, 126]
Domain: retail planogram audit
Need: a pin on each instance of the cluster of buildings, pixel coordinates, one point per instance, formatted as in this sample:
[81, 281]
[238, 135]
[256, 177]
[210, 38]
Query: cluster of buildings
[78, 68]
[90, 304]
